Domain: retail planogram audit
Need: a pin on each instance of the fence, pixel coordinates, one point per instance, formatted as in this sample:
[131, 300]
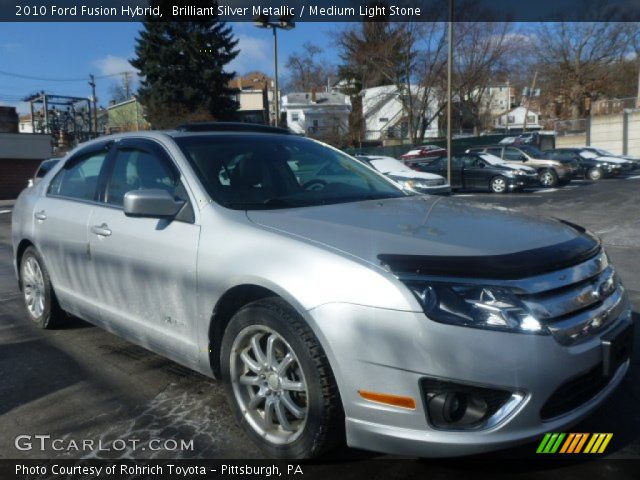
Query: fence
[459, 145]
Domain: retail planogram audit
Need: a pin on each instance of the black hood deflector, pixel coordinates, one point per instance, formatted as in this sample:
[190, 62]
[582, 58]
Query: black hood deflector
[512, 266]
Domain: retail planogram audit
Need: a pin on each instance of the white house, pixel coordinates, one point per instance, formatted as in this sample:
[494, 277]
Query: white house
[317, 113]
[25, 125]
[386, 118]
[515, 120]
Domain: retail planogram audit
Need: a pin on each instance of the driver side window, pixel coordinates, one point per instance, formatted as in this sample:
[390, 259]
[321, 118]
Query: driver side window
[138, 169]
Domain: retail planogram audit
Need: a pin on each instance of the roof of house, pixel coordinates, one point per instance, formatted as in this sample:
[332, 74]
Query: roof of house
[321, 98]
[251, 81]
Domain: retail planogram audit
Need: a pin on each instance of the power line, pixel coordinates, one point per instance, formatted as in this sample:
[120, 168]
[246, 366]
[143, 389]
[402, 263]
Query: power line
[44, 79]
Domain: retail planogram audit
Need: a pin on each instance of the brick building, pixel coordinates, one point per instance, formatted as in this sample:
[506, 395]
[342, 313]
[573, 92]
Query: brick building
[20, 155]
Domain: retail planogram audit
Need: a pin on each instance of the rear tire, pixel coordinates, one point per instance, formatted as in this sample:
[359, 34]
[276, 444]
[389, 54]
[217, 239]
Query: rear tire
[290, 412]
[594, 174]
[548, 178]
[39, 298]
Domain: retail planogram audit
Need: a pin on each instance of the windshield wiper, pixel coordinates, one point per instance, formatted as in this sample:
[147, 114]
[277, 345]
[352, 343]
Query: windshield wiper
[269, 202]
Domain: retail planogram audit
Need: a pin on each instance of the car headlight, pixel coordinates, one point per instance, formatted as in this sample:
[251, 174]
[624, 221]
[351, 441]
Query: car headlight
[486, 307]
[520, 172]
[421, 183]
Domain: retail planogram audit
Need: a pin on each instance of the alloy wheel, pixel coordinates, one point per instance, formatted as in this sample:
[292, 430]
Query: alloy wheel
[595, 174]
[547, 179]
[33, 287]
[268, 384]
[498, 185]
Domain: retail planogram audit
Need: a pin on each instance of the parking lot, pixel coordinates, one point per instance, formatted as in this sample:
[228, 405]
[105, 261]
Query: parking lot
[83, 383]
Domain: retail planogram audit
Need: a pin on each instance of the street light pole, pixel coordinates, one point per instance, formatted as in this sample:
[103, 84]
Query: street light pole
[276, 99]
[284, 22]
[449, 91]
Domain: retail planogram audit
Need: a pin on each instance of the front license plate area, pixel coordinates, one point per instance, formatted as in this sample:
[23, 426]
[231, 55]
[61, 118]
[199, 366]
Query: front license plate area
[616, 349]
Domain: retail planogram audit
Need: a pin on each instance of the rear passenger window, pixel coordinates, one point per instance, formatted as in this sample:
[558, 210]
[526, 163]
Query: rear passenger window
[79, 177]
[136, 169]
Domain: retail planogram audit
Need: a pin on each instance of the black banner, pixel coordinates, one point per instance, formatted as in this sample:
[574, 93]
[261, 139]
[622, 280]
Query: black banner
[319, 10]
[576, 468]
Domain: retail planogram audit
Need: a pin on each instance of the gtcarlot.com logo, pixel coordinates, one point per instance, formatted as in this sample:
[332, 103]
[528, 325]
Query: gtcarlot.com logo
[574, 443]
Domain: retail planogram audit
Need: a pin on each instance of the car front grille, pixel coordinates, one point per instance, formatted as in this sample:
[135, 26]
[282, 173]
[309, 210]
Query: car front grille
[573, 393]
[434, 182]
[576, 311]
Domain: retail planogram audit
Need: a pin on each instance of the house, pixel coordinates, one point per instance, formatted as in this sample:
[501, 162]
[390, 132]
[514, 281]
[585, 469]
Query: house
[127, 116]
[25, 125]
[386, 118]
[255, 97]
[317, 114]
[514, 120]
[496, 99]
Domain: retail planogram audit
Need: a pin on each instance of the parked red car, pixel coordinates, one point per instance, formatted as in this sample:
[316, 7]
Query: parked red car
[424, 151]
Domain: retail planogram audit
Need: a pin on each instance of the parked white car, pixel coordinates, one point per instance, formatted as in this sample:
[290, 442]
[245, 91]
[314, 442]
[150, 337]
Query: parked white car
[410, 180]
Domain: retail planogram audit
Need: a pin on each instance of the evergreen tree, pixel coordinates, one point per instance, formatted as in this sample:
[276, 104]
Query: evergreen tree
[182, 65]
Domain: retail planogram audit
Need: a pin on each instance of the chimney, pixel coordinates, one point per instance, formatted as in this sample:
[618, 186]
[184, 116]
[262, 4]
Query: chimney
[313, 95]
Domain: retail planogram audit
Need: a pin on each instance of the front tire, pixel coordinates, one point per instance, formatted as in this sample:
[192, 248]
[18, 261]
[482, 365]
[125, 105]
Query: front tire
[594, 174]
[279, 383]
[37, 291]
[498, 184]
[548, 178]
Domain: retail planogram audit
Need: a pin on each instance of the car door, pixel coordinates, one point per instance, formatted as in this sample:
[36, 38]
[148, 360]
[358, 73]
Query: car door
[513, 155]
[146, 266]
[474, 172]
[61, 219]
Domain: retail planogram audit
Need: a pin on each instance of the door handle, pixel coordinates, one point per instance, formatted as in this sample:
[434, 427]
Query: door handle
[40, 215]
[101, 230]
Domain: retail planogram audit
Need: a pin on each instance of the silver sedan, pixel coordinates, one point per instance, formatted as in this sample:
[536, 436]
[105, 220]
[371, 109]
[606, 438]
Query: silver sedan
[332, 307]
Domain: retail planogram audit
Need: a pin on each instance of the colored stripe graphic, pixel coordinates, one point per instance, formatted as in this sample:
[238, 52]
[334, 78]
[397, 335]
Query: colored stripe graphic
[574, 443]
[550, 443]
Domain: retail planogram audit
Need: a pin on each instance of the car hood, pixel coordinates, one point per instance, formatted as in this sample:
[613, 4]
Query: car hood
[420, 226]
[412, 175]
[613, 160]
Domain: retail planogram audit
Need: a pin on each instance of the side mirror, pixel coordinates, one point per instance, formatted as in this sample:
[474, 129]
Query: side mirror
[153, 203]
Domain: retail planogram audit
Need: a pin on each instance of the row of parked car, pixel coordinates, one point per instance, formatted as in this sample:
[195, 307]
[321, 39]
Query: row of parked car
[500, 168]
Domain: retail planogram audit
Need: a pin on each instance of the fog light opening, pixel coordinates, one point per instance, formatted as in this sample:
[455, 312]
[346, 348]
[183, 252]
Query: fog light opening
[462, 407]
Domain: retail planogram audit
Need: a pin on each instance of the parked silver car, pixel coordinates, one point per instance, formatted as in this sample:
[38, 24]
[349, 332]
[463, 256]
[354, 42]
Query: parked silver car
[415, 325]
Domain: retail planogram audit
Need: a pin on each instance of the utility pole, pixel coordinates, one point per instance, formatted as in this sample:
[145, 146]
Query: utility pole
[92, 84]
[126, 83]
[450, 92]
[526, 109]
[276, 100]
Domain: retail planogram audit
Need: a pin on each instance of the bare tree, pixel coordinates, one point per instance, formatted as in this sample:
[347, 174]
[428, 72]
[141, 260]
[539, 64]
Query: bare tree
[576, 61]
[308, 70]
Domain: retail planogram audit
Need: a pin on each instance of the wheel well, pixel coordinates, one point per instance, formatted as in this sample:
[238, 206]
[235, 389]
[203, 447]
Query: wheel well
[230, 302]
[24, 244]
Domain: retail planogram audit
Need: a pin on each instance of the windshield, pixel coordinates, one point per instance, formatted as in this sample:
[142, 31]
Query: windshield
[532, 151]
[604, 153]
[492, 159]
[250, 172]
[388, 164]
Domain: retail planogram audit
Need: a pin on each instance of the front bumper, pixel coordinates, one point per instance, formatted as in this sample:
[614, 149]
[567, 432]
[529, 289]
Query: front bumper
[522, 181]
[391, 351]
[437, 190]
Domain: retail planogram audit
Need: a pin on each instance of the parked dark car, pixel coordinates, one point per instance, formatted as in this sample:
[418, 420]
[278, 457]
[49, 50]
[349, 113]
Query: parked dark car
[43, 169]
[627, 163]
[481, 171]
[551, 173]
[589, 167]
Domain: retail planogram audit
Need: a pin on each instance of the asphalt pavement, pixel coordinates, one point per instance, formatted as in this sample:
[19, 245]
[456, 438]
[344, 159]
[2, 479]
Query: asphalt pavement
[80, 382]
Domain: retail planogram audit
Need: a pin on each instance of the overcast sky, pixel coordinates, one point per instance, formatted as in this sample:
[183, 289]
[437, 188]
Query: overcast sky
[74, 50]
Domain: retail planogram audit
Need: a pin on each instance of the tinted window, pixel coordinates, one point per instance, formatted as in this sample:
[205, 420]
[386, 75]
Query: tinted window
[136, 169]
[495, 151]
[513, 154]
[79, 177]
[470, 161]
